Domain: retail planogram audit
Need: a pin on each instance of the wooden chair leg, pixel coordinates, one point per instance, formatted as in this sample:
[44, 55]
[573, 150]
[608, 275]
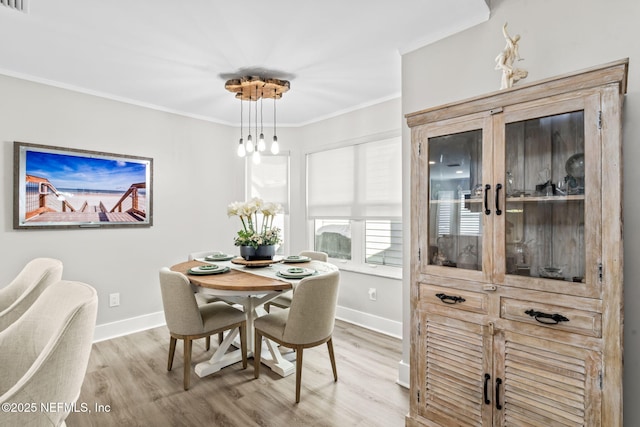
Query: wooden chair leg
[187, 362]
[333, 359]
[257, 349]
[208, 343]
[220, 338]
[243, 344]
[298, 372]
[172, 351]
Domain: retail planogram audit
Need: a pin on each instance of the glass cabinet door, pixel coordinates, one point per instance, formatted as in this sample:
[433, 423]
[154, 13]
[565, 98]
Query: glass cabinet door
[547, 193]
[456, 193]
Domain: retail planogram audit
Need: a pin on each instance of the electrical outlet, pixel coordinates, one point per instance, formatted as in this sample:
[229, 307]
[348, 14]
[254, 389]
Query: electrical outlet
[114, 300]
[373, 294]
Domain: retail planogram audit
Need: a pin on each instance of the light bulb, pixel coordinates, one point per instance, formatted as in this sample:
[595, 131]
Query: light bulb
[275, 147]
[249, 144]
[256, 157]
[261, 145]
[241, 151]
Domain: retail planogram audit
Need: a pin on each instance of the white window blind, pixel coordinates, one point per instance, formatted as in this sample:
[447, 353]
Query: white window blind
[20, 5]
[469, 221]
[269, 179]
[445, 212]
[361, 181]
[383, 243]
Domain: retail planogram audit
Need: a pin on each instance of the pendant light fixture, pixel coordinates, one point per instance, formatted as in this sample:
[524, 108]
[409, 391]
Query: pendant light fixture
[250, 146]
[275, 147]
[252, 88]
[261, 145]
[256, 154]
[241, 150]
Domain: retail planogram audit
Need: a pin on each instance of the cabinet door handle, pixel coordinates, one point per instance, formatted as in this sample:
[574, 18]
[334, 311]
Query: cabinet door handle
[546, 318]
[487, 211]
[487, 377]
[498, 384]
[450, 299]
[498, 211]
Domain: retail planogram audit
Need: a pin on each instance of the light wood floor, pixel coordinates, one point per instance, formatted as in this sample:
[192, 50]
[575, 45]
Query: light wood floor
[129, 374]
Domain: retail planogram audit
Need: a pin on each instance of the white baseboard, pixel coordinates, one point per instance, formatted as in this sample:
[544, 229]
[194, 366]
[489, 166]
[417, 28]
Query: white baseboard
[107, 331]
[403, 374]
[152, 320]
[370, 321]
[132, 325]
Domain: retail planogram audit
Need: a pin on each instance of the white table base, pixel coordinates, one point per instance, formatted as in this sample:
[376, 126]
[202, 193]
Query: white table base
[222, 357]
[276, 360]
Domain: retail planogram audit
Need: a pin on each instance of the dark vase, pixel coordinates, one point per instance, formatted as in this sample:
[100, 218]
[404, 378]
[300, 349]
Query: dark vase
[263, 252]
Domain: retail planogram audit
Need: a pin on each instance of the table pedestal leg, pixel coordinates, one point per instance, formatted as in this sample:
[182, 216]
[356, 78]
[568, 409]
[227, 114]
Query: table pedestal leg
[220, 358]
[277, 362]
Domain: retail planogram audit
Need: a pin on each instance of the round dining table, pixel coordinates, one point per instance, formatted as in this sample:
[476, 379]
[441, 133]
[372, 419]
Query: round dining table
[250, 287]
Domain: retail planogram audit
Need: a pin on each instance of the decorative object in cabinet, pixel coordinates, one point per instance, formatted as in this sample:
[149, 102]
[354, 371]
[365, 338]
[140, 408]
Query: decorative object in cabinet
[516, 269]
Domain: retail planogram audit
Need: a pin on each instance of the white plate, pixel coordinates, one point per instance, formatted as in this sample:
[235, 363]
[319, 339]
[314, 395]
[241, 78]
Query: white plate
[203, 271]
[296, 275]
[218, 257]
[295, 258]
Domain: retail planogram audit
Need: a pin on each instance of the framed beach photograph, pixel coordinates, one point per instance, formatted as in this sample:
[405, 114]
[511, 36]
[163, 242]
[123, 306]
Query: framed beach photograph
[56, 187]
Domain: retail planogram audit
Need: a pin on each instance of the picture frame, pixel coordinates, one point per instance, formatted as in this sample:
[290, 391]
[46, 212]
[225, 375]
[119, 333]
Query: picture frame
[62, 188]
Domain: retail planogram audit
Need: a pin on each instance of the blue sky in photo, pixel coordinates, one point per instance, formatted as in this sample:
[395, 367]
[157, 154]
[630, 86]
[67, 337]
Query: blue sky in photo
[77, 172]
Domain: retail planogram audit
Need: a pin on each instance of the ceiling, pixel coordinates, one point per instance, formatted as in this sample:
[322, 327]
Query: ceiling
[176, 55]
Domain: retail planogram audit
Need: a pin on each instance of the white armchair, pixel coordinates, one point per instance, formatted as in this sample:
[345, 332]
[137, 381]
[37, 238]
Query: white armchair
[17, 296]
[44, 354]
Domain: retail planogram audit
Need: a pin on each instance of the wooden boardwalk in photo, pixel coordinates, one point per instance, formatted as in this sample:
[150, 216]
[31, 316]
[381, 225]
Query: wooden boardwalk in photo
[79, 217]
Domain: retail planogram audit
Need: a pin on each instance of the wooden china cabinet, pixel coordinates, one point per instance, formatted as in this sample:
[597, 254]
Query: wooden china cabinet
[516, 268]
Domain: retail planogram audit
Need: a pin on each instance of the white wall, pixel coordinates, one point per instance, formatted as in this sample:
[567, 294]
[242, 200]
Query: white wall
[557, 37]
[196, 174]
[368, 124]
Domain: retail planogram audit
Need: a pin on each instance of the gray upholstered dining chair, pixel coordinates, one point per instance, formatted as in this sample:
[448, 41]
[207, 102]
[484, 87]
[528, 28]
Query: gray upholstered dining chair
[307, 323]
[26, 287]
[44, 355]
[284, 300]
[203, 298]
[187, 320]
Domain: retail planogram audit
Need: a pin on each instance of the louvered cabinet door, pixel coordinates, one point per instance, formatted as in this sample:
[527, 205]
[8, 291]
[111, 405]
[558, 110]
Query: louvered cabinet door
[455, 360]
[544, 383]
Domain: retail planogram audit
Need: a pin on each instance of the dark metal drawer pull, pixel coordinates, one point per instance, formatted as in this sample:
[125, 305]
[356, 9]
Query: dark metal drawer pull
[547, 319]
[487, 377]
[498, 188]
[446, 298]
[487, 211]
[498, 383]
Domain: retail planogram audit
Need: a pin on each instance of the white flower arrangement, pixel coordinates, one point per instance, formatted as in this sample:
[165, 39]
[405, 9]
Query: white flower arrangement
[255, 233]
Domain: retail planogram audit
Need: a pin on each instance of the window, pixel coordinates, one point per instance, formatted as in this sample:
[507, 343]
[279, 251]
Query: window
[383, 242]
[468, 221]
[354, 198]
[333, 237]
[269, 180]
